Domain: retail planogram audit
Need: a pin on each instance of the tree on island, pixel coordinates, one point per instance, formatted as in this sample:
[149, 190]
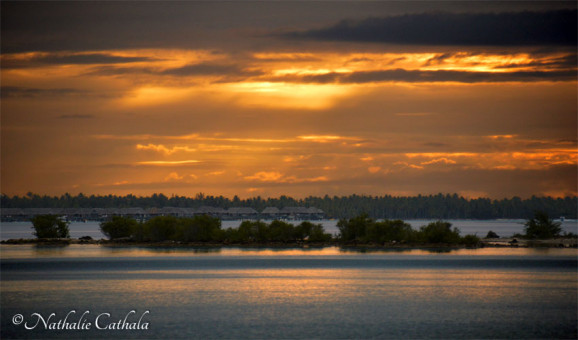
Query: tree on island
[277, 231]
[50, 226]
[439, 232]
[354, 229]
[201, 228]
[542, 227]
[160, 228]
[365, 230]
[313, 232]
[119, 227]
[492, 234]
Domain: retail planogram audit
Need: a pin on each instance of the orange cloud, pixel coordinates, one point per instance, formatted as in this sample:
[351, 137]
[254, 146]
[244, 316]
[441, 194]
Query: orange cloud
[439, 160]
[500, 137]
[173, 176]
[290, 159]
[168, 163]
[265, 176]
[537, 159]
[408, 165]
[441, 154]
[164, 149]
[321, 139]
[277, 177]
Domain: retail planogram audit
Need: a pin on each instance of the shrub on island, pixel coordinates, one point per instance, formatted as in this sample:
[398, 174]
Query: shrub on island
[492, 234]
[50, 226]
[541, 227]
[439, 232]
[276, 231]
[358, 230]
[470, 240]
[119, 227]
[362, 229]
[204, 228]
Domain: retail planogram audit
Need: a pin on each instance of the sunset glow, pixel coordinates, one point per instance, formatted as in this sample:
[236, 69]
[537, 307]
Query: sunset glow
[285, 106]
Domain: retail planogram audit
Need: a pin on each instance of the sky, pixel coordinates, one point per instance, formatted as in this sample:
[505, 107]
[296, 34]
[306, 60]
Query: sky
[292, 98]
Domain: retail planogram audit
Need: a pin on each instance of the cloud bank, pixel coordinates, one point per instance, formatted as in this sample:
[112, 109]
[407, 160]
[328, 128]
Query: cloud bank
[551, 28]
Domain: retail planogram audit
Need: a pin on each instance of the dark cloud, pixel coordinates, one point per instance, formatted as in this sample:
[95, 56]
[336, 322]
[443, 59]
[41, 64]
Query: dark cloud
[568, 61]
[27, 92]
[436, 145]
[11, 62]
[229, 25]
[227, 72]
[419, 76]
[541, 58]
[94, 58]
[120, 71]
[75, 26]
[104, 25]
[438, 59]
[551, 28]
[396, 60]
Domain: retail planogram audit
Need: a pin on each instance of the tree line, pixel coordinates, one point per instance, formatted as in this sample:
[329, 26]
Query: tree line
[204, 228]
[378, 207]
[358, 230]
[364, 230]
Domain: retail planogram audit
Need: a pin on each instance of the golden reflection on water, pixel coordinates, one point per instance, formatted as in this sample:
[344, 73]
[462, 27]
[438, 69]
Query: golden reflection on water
[87, 251]
[299, 286]
[227, 292]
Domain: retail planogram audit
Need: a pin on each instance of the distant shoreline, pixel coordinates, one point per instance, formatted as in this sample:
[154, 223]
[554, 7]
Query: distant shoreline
[496, 243]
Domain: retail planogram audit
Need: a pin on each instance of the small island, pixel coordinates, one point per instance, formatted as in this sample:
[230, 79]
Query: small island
[357, 232]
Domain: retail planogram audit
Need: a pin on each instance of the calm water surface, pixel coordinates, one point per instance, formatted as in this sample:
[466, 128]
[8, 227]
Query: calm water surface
[290, 293]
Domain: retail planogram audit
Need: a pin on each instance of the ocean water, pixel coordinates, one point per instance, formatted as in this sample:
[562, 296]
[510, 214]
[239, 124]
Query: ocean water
[504, 228]
[234, 293]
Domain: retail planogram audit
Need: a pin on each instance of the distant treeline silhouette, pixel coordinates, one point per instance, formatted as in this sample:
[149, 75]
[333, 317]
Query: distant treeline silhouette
[392, 207]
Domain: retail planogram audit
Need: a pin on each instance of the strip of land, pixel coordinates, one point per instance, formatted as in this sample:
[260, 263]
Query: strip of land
[489, 242]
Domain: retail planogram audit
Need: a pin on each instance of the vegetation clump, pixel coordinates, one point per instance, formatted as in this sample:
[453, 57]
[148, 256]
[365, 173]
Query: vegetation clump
[492, 234]
[541, 227]
[119, 227]
[362, 229]
[439, 232]
[206, 229]
[199, 229]
[50, 226]
[357, 230]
